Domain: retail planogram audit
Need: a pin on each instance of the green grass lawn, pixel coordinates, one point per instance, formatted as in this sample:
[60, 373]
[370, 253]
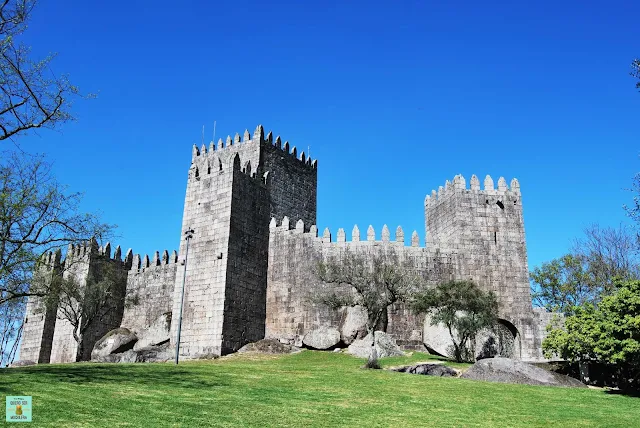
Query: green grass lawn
[309, 389]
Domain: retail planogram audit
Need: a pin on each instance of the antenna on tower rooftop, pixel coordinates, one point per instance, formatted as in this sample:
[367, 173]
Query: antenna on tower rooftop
[214, 131]
[202, 134]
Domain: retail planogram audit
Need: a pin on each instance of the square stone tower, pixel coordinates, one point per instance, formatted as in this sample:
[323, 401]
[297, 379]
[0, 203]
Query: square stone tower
[233, 190]
[485, 229]
[40, 321]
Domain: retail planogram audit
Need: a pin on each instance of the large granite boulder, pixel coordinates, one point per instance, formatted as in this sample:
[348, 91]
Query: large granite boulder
[155, 354]
[437, 339]
[429, 370]
[269, 346]
[114, 342]
[128, 356]
[157, 333]
[385, 346]
[506, 370]
[321, 338]
[354, 325]
[150, 354]
[490, 342]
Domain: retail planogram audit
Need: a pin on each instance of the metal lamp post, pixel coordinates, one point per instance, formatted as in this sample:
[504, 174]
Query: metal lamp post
[188, 235]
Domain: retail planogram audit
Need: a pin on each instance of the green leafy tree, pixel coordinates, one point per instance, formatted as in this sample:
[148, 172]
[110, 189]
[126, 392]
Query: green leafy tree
[598, 259]
[561, 284]
[608, 333]
[463, 308]
[372, 283]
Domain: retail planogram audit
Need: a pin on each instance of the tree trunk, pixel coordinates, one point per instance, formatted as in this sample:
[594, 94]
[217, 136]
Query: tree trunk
[373, 354]
[383, 321]
[77, 335]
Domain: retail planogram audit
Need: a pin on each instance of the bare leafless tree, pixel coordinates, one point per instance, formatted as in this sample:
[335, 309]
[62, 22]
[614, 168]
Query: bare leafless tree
[11, 314]
[37, 215]
[633, 210]
[31, 95]
[609, 253]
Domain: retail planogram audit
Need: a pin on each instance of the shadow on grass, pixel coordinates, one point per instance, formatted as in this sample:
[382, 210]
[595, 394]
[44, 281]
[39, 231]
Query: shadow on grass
[635, 394]
[161, 376]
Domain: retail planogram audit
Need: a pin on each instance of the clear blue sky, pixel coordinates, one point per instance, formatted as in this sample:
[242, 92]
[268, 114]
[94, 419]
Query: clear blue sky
[392, 99]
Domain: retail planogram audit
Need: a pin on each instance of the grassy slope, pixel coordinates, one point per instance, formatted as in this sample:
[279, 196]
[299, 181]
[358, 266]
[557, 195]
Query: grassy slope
[306, 389]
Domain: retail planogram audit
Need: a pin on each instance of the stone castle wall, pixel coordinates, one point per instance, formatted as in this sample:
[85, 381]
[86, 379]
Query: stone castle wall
[292, 282]
[150, 287]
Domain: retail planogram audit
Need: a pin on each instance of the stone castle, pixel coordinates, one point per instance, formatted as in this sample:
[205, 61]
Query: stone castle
[251, 203]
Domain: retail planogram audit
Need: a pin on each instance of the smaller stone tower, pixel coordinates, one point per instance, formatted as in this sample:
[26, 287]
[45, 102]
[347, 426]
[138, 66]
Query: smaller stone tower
[48, 337]
[40, 321]
[485, 229]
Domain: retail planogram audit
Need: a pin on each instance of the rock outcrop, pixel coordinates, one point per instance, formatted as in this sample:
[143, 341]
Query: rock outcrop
[157, 333]
[114, 342]
[506, 370]
[150, 354]
[385, 346]
[354, 325]
[321, 338]
[429, 370]
[269, 346]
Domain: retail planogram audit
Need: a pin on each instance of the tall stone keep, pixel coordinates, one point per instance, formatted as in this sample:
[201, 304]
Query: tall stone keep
[233, 189]
[484, 229]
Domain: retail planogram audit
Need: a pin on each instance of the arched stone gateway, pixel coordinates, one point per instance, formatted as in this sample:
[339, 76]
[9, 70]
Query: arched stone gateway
[503, 341]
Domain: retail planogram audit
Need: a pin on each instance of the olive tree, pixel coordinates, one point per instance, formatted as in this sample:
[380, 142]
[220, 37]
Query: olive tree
[374, 283]
[463, 308]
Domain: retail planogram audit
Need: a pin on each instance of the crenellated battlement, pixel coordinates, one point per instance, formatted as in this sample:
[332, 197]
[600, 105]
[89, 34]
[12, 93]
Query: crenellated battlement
[459, 185]
[218, 150]
[75, 251]
[132, 262]
[51, 258]
[85, 250]
[385, 238]
[141, 264]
